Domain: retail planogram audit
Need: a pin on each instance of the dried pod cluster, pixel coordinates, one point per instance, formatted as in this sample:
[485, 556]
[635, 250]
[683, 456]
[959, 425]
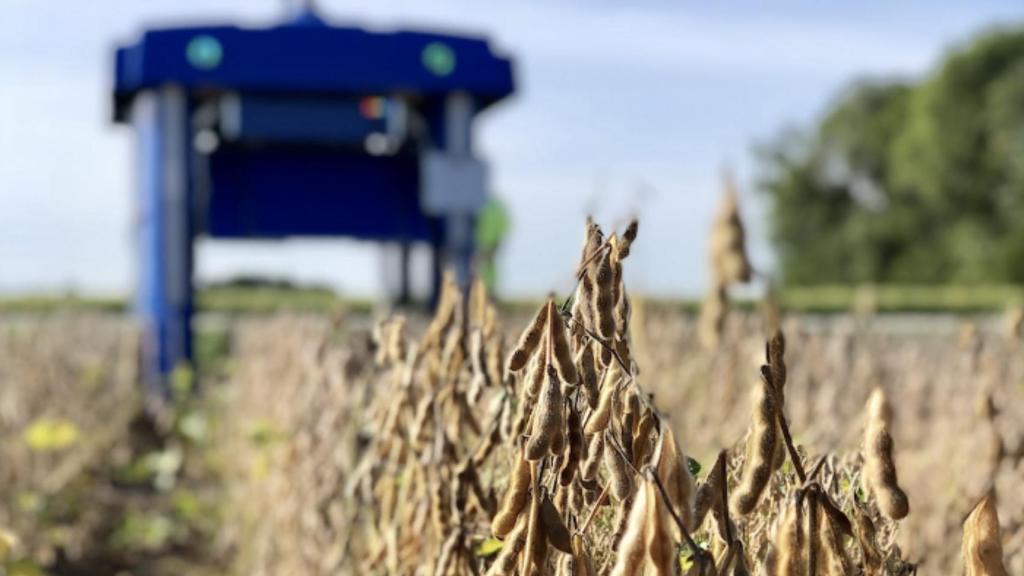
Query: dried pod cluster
[879, 479]
[761, 449]
[565, 407]
[558, 463]
[729, 265]
[729, 261]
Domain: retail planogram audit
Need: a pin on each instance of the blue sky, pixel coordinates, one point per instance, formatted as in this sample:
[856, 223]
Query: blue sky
[629, 106]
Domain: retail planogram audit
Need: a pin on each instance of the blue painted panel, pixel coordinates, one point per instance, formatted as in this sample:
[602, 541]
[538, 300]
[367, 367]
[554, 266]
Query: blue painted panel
[279, 192]
[307, 120]
[317, 59]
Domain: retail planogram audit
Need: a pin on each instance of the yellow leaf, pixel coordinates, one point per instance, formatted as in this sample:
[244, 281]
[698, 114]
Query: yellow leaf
[7, 543]
[45, 435]
[488, 547]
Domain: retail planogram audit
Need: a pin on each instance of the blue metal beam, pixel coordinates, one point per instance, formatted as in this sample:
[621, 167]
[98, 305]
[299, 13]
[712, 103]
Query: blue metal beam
[311, 59]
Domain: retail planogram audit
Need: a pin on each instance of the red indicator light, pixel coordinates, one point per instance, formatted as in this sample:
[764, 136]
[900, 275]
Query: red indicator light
[372, 107]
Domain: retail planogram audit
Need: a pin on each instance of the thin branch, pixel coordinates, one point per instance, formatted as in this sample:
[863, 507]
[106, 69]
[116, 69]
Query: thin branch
[812, 475]
[610, 439]
[834, 512]
[586, 262]
[628, 370]
[593, 511]
[730, 554]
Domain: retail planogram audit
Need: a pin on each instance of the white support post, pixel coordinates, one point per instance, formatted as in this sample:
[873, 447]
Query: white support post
[459, 224]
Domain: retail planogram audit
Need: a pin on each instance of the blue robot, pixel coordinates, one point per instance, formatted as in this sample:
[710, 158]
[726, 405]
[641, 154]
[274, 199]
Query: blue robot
[300, 129]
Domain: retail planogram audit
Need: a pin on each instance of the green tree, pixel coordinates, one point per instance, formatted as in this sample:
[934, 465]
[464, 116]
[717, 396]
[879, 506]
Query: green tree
[904, 182]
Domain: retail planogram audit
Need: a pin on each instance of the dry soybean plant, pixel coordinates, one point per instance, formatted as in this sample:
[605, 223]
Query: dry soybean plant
[419, 482]
[556, 460]
[729, 264]
[291, 437]
[473, 450]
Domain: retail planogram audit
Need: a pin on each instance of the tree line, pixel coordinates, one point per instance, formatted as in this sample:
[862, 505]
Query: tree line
[908, 182]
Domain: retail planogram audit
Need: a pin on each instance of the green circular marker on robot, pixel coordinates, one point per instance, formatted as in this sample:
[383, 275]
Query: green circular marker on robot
[439, 58]
[204, 52]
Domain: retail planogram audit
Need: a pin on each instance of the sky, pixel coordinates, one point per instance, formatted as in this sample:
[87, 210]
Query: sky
[622, 108]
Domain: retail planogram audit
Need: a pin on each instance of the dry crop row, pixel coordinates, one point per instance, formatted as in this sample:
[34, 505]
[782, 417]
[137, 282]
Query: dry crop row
[457, 453]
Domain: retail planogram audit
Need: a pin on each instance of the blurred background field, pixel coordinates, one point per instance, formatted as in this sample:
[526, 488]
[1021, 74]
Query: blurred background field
[828, 299]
